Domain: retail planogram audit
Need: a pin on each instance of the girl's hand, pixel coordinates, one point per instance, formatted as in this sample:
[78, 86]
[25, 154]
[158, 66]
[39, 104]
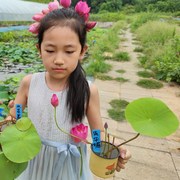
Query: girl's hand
[125, 155]
[11, 104]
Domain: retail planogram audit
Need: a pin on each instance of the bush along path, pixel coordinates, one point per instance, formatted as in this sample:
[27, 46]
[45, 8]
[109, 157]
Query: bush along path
[152, 159]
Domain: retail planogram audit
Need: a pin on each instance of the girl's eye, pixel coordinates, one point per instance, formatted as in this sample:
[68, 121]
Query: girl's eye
[49, 51]
[69, 52]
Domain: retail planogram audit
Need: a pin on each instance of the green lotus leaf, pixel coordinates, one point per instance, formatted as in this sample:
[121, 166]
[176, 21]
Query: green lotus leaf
[23, 124]
[10, 170]
[151, 117]
[20, 146]
[4, 96]
[3, 88]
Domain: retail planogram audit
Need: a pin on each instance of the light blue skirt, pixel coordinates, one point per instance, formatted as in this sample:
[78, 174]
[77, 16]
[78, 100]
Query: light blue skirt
[58, 161]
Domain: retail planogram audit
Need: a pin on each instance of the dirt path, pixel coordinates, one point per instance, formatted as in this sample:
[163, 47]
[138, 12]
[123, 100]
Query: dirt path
[145, 150]
[169, 93]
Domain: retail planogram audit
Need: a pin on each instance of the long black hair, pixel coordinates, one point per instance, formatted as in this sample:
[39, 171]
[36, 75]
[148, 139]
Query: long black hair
[78, 91]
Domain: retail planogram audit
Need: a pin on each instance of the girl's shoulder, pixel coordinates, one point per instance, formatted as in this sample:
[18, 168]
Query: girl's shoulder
[93, 89]
[26, 80]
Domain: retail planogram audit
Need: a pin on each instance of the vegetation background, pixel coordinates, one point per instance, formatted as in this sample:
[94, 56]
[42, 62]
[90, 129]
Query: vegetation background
[136, 5]
[154, 23]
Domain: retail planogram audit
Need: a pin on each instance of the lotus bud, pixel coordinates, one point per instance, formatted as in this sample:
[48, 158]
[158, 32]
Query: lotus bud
[105, 125]
[54, 100]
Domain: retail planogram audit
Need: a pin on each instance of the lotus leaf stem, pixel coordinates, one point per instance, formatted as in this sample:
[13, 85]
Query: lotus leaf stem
[80, 151]
[122, 143]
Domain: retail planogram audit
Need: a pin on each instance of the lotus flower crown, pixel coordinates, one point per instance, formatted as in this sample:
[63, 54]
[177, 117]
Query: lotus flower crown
[81, 8]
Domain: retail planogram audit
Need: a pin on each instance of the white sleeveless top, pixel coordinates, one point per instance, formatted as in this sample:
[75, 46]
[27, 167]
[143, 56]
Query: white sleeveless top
[41, 112]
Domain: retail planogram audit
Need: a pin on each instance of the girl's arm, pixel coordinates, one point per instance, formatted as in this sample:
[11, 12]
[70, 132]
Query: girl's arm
[22, 94]
[93, 110]
[95, 122]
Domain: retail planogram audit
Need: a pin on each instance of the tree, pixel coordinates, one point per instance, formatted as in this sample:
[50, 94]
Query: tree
[95, 5]
[158, 5]
[128, 2]
[111, 6]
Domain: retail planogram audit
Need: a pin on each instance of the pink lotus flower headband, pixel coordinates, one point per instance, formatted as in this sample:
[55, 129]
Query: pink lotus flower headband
[81, 8]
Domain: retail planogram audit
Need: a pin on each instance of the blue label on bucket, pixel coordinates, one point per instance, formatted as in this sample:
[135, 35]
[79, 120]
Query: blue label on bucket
[96, 136]
[18, 111]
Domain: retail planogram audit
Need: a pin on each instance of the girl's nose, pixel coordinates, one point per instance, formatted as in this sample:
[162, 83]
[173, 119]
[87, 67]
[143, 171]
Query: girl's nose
[58, 60]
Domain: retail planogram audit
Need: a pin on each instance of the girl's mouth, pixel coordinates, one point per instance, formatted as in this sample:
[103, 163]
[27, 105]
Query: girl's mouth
[58, 69]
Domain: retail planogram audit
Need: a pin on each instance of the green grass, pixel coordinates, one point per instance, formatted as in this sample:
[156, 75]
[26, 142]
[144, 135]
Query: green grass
[121, 56]
[40, 1]
[118, 104]
[116, 115]
[117, 111]
[97, 66]
[138, 49]
[103, 77]
[121, 79]
[123, 39]
[149, 84]
[121, 71]
[145, 74]
[107, 42]
[108, 17]
[14, 23]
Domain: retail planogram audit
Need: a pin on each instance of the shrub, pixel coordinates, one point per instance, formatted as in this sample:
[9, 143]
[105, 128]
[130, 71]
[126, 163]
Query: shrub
[168, 63]
[105, 16]
[161, 42]
[142, 18]
[108, 42]
[155, 32]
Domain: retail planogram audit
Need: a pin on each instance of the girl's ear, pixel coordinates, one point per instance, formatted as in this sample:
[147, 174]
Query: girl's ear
[85, 48]
[38, 48]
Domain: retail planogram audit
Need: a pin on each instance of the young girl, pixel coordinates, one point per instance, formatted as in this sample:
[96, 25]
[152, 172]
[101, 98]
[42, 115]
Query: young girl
[62, 45]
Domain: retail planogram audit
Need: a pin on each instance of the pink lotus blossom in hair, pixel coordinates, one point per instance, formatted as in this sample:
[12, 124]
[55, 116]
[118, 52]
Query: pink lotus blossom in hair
[86, 17]
[53, 5]
[34, 28]
[90, 25]
[38, 17]
[82, 8]
[45, 11]
[65, 3]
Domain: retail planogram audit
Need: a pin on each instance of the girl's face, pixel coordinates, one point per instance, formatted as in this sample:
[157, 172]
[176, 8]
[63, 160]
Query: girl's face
[60, 51]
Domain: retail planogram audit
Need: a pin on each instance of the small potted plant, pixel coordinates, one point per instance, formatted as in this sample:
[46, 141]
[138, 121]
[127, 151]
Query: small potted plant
[147, 116]
[104, 155]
